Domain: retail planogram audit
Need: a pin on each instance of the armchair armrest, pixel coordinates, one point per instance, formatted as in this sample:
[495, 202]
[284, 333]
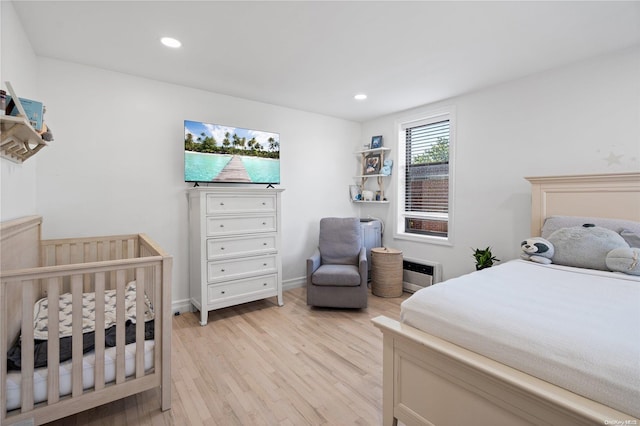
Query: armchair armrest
[313, 263]
[362, 266]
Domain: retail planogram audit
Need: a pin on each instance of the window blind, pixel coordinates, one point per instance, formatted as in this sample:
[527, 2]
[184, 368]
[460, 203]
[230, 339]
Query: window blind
[427, 178]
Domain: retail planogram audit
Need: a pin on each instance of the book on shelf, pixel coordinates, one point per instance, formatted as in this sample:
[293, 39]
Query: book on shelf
[33, 109]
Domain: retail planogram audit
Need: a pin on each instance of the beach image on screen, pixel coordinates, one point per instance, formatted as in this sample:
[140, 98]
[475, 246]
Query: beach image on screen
[218, 153]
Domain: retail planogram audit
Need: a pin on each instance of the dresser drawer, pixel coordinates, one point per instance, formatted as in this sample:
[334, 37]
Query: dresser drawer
[238, 268]
[220, 226]
[240, 246]
[233, 203]
[245, 287]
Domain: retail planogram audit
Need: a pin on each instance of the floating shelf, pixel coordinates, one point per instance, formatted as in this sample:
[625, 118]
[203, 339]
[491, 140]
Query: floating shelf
[18, 140]
[370, 176]
[378, 176]
[371, 151]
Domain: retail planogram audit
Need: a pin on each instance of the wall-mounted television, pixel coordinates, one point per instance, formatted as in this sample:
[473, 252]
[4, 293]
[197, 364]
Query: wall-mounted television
[224, 154]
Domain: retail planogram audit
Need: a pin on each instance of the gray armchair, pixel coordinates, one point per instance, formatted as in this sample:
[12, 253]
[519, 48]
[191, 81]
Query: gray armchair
[337, 271]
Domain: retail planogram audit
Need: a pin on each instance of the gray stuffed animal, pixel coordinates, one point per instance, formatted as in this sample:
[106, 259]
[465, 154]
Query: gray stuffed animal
[537, 249]
[594, 247]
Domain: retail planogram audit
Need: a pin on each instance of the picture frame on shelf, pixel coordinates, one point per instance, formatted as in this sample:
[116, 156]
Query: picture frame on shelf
[376, 142]
[371, 164]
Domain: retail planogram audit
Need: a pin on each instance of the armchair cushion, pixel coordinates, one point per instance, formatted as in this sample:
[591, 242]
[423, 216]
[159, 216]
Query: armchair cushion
[336, 275]
[340, 240]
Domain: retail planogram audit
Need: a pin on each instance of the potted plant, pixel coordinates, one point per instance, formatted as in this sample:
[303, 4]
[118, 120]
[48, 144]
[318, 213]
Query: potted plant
[484, 258]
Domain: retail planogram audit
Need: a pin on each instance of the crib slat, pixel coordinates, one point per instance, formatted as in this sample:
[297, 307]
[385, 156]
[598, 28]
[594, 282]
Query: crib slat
[131, 250]
[110, 252]
[163, 287]
[130, 254]
[53, 342]
[99, 342]
[158, 319]
[118, 250]
[75, 253]
[27, 348]
[62, 254]
[76, 333]
[140, 308]
[101, 250]
[120, 326]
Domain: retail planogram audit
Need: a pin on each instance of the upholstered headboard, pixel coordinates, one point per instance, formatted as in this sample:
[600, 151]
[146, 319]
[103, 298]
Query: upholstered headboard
[614, 195]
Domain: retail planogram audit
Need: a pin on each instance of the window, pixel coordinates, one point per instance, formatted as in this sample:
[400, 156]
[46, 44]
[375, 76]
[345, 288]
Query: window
[425, 204]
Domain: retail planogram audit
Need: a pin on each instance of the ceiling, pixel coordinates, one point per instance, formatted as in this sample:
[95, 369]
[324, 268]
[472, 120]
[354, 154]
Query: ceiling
[316, 55]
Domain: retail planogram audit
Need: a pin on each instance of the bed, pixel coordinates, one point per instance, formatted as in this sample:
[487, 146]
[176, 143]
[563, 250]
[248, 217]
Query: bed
[104, 345]
[438, 376]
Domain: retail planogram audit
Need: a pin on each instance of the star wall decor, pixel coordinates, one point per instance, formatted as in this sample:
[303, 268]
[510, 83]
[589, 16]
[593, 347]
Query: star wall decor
[613, 159]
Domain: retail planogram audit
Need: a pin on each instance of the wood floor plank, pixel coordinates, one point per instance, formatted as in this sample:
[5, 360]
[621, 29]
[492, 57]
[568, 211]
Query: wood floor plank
[260, 364]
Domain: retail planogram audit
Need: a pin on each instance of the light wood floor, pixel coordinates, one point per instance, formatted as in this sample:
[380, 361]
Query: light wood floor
[260, 364]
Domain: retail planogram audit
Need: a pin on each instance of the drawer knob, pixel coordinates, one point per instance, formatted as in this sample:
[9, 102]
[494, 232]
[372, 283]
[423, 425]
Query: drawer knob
[264, 264]
[222, 292]
[221, 226]
[222, 204]
[264, 244]
[264, 223]
[264, 204]
[264, 284]
[221, 270]
[221, 248]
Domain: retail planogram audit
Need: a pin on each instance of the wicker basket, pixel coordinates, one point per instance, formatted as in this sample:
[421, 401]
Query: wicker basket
[386, 272]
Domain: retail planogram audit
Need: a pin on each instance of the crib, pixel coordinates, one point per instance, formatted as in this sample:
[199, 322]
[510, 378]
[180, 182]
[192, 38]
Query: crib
[34, 273]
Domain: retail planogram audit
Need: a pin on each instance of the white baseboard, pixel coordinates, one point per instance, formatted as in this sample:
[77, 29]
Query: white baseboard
[294, 283]
[180, 306]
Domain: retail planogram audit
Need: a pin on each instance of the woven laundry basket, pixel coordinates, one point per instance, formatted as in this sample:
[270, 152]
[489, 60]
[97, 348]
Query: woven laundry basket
[386, 272]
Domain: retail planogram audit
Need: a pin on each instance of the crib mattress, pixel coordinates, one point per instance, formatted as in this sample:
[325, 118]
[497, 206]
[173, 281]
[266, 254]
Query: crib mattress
[575, 328]
[14, 378]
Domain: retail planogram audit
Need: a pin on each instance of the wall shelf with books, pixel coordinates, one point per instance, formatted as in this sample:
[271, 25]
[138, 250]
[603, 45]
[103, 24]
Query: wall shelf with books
[18, 139]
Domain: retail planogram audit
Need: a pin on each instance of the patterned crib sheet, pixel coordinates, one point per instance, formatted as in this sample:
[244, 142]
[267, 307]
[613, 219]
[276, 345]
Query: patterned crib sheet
[41, 312]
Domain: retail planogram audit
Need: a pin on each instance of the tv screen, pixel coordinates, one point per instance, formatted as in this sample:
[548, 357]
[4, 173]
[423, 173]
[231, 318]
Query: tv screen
[218, 153]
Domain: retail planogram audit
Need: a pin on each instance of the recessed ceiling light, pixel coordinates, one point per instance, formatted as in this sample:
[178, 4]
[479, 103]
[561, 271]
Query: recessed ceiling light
[170, 42]
[360, 97]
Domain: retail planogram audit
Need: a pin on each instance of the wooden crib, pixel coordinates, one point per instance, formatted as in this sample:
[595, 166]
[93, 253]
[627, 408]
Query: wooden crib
[32, 269]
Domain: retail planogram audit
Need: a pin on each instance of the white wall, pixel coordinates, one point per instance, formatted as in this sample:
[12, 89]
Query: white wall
[17, 65]
[116, 165]
[580, 119]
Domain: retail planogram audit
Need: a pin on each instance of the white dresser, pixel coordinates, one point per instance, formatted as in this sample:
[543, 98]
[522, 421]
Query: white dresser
[234, 246]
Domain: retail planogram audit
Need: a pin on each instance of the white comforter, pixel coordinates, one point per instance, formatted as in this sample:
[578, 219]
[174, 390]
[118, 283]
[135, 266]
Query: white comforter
[578, 329]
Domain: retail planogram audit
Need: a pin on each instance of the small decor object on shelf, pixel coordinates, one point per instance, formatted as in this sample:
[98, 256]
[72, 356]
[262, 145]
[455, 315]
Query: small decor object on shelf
[386, 168]
[367, 195]
[376, 142]
[372, 164]
[354, 193]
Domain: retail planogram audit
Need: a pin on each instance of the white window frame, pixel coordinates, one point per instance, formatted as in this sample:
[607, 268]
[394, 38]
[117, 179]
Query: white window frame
[427, 117]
